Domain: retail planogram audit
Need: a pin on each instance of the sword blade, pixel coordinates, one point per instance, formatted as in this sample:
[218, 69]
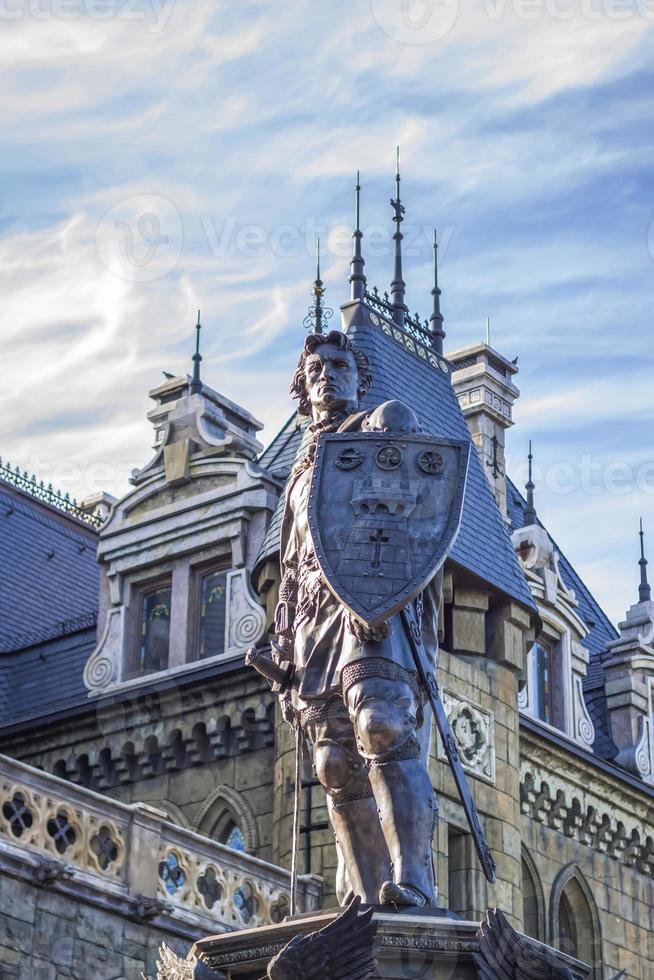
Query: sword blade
[428, 681]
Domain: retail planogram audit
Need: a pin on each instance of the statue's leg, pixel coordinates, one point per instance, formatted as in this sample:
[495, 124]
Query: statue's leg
[384, 713]
[350, 802]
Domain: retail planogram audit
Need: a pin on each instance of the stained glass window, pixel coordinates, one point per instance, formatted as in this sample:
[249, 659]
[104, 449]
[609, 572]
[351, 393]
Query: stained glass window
[212, 614]
[154, 634]
[233, 837]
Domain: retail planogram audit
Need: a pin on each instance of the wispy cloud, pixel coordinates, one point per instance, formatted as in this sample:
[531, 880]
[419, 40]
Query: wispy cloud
[187, 157]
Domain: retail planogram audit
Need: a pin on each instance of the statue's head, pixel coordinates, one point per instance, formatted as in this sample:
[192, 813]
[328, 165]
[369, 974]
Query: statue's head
[332, 375]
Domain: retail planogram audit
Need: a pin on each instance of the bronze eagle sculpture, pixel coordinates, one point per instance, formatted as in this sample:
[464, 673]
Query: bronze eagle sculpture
[341, 950]
[505, 954]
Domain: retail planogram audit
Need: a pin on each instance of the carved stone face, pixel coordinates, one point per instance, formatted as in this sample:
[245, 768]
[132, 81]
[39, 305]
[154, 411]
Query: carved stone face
[332, 380]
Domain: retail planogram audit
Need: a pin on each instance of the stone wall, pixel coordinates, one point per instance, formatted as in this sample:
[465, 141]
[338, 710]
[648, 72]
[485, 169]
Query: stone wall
[45, 935]
[587, 833]
[95, 885]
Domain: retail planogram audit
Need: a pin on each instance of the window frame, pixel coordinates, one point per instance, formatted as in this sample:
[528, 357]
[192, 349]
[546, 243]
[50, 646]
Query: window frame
[557, 637]
[140, 591]
[198, 572]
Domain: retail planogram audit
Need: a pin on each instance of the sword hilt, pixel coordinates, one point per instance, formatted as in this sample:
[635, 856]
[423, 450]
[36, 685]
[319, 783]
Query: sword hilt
[280, 675]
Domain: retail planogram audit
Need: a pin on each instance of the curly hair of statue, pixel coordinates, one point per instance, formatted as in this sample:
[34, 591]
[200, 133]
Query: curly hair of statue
[335, 338]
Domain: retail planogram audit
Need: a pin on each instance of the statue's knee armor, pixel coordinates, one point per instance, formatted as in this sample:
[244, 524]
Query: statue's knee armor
[384, 714]
[336, 767]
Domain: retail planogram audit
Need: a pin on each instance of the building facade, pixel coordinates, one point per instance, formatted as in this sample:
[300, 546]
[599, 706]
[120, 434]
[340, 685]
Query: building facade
[147, 775]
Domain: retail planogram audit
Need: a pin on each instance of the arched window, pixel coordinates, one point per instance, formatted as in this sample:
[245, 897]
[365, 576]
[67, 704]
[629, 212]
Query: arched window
[228, 818]
[567, 928]
[575, 924]
[533, 907]
[232, 836]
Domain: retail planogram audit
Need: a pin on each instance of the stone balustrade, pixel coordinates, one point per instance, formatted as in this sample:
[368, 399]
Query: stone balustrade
[134, 858]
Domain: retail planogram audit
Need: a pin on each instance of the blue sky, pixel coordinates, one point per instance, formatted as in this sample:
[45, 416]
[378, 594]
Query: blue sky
[160, 157]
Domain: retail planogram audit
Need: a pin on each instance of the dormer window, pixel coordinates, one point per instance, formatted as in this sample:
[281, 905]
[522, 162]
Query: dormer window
[154, 630]
[213, 589]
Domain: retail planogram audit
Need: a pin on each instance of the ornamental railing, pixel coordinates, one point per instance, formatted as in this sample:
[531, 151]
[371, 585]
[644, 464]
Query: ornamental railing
[135, 854]
[413, 325]
[47, 494]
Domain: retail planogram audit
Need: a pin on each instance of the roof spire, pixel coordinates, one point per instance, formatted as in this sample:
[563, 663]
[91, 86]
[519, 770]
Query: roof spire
[530, 512]
[398, 284]
[196, 385]
[357, 278]
[436, 318]
[644, 589]
[317, 312]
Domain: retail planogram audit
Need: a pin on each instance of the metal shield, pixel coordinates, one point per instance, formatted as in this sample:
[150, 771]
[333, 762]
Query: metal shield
[384, 511]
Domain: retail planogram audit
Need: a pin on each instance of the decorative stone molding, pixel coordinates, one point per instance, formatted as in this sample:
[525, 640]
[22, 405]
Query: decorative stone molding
[187, 424]
[537, 553]
[583, 728]
[474, 731]
[563, 630]
[586, 805]
[246, 617]
[63, 835]
[165, 746]
[629, 684]
[201, 503]
[214, 806]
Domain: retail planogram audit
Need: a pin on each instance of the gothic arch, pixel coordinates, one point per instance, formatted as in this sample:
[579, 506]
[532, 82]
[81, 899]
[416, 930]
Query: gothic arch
[572, 894]
[223, 802]
[533, 898]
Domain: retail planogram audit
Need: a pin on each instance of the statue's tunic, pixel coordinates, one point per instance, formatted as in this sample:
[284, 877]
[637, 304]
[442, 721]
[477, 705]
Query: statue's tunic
[323, 640]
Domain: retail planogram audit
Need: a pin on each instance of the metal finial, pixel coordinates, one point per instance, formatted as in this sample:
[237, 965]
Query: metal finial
[196, 385]
[530, 511]
[436, 318]
[398, 285]
[357, 278]
[488, 335]
[644, 589]
[317, 312]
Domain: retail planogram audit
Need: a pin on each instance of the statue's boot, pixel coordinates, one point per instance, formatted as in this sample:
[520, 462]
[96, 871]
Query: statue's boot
[362, 845]
[407, 808]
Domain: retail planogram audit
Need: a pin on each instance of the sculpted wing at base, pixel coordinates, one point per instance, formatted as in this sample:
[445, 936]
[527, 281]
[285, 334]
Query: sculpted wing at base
[173, 967]
[504, 954]
[342, 950]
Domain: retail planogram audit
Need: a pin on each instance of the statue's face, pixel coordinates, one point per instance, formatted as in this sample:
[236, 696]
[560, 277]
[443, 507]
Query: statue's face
[332, 380]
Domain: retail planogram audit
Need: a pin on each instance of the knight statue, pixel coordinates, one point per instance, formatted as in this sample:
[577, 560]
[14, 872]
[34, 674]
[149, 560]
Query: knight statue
[357, 698]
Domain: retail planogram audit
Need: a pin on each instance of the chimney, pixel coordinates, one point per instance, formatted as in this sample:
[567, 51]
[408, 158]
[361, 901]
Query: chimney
[482, 381]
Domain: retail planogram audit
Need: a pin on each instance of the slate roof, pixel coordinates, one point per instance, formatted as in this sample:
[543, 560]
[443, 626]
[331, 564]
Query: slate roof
[45, 678]
[601, 632]
[48, 571]
[483, 546]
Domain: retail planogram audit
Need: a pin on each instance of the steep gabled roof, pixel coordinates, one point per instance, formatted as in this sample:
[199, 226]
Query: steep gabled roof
[49, 577]
[404, 368]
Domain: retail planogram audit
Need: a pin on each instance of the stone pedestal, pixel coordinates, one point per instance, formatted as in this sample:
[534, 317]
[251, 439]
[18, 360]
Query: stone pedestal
[416, 945]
